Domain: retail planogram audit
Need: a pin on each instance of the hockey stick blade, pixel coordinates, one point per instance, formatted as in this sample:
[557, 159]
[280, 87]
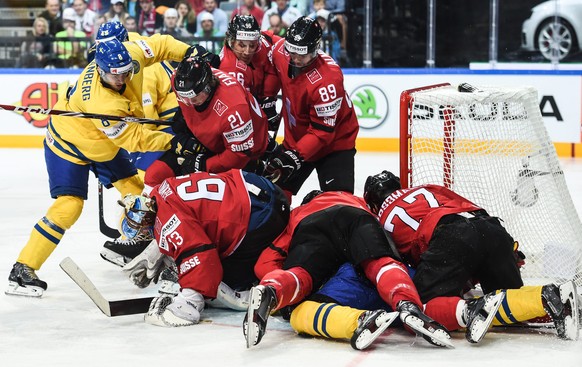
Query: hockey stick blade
[109, 308]
[88, 115]
[103, 227]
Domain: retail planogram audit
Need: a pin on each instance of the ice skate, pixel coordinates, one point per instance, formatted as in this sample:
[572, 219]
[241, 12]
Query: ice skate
[422, 325]
[261, 302]
[371, 324]
[479, 314]
[121, 251]
[561, 303]
[23, 281]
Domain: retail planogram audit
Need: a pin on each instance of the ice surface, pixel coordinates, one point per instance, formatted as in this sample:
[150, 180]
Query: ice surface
[64, 328]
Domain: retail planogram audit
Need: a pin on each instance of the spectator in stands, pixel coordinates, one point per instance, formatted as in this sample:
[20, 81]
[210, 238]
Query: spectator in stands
[220, 18]
[331, 43]
[52, 14]
[117, 11]
[84, 17]
[287, 13]
[132, 6]
[301, 5]
[250, 7]
[276, 25]
[197, 5]
[171, 25]
[100, 7]
[36, 51]
[130, 24]
[98, 21]
[207, 32]
[149, 20]
[338, 9]
[186, 16]
[71, 52]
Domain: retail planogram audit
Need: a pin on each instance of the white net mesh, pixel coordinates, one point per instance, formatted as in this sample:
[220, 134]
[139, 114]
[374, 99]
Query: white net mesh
[492, 147]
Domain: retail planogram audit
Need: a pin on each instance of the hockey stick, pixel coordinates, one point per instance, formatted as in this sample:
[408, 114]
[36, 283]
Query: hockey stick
[103, 227]
[109, 308]
[88, 115]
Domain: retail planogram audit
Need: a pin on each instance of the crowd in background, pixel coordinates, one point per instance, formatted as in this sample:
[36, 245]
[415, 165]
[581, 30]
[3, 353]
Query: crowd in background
[62, 33]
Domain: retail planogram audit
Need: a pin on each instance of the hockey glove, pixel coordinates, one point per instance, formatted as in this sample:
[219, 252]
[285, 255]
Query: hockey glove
[269, 106]
[282, 165]
[422, 325]
[179, 123]
[184, 144]
[193, 163]
[209, 57]
[181, 310]
[147, 266]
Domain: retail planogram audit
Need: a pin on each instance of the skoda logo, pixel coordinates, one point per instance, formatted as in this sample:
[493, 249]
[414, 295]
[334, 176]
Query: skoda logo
[371, 106]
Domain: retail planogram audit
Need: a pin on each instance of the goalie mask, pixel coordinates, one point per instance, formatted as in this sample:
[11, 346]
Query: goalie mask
[139, 217]
[378, 187]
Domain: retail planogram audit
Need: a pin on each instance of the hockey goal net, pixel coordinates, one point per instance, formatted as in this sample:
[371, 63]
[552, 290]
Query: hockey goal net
[490, 145]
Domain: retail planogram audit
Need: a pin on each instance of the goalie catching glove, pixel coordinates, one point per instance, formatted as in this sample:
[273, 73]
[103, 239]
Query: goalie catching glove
[147, 266]
[282, 165]
[184, 144]
[180, 310]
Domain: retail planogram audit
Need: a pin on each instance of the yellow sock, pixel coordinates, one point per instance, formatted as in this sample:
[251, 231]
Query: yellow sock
[49, 231]
[129, 185]
[519, 305]
[325, 319]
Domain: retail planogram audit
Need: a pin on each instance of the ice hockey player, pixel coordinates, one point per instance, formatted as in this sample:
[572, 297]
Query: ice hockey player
[213, 226]
[223, 125]
[330, 230]
[451, 242]
[245, 57]
[320, 121]
[74, 145]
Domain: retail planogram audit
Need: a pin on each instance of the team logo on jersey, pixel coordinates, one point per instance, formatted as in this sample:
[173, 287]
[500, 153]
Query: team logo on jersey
[219, 107]
[147, 50]
[328, 109]
[241, 133]
[313, 76]
[241, 65]
[371, 106]
[167, 235]
[113, 131]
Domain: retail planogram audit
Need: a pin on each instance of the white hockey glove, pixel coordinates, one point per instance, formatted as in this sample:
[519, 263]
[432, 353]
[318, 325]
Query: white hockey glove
[181, 310]
[147, 266]
[228, 298]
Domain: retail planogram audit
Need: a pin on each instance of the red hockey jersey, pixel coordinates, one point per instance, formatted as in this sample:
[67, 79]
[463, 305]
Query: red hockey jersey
[233, 126]
[201, 219]
[319, 115]
[259, 77]
[411, 216]
[270, 258]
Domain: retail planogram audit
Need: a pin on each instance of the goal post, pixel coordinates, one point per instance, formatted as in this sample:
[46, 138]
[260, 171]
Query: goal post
[490, 145]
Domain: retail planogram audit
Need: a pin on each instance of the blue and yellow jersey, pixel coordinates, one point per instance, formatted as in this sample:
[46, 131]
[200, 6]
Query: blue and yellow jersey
[159, 99]
[80, 139]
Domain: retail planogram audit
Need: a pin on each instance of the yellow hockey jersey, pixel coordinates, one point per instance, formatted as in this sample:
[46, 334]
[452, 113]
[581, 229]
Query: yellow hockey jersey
[80, 140]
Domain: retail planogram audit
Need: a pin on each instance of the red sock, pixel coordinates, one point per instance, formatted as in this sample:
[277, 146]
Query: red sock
[391, 280]
[444, 311]
[291, 285]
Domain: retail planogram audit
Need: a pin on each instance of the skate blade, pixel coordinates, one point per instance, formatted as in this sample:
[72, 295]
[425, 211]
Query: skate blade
[114, 258]
[571, 323]
[365, 339]
[252, 333]
[480, 327]
[438, 336]
[14, 289]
